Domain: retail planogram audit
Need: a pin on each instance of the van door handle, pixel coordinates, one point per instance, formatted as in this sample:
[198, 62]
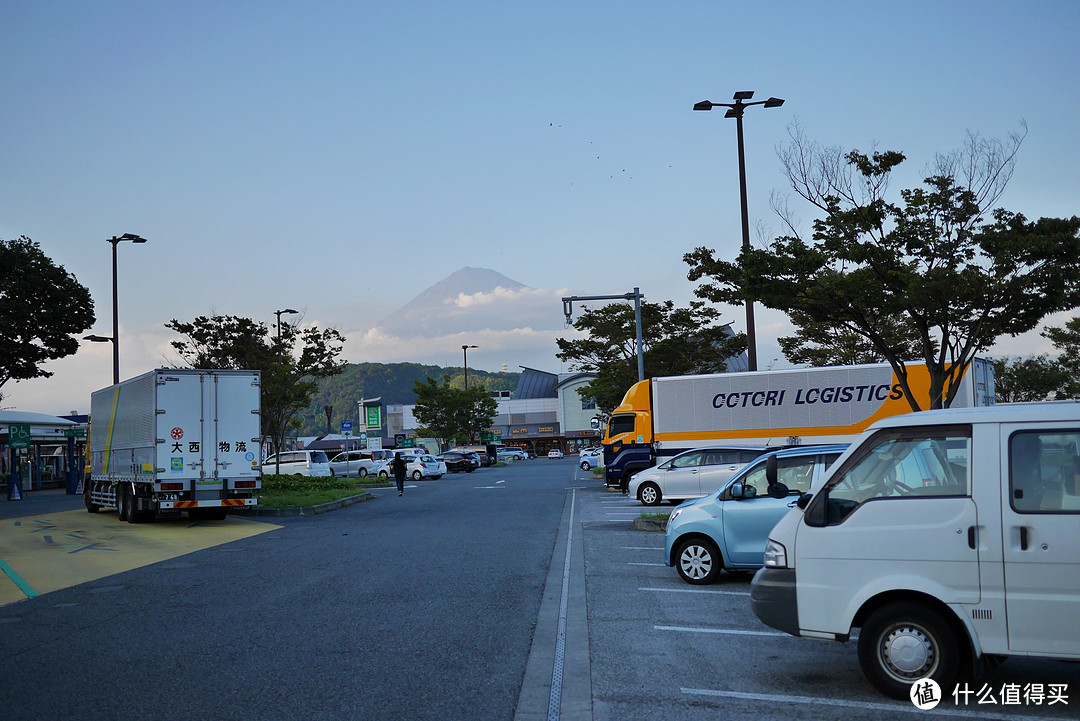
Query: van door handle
[971, 537]
[1023, 538]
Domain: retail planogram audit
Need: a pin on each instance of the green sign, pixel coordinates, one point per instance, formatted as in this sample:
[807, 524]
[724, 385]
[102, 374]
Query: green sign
[19, 435]
[487, 436]
[374, 416]
[74, 433]
[408, 443]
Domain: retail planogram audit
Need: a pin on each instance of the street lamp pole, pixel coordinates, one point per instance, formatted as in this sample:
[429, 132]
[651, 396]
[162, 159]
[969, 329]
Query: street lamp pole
[637, 297]
[279, 313]
[114, 241]
[465, 353]
[735, 110]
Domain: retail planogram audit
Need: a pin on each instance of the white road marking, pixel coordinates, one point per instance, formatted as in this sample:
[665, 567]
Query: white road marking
[641, 548]
[696, 590]
[726, 631]
[898, 707]
[646, 564]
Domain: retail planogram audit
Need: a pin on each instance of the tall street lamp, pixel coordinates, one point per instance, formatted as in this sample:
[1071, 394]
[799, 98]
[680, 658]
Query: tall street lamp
[465, 353]
[114, 241]
[735, 110]
[279, 313]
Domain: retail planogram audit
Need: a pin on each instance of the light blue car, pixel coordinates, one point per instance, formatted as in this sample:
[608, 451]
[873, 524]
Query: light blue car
[729, 527]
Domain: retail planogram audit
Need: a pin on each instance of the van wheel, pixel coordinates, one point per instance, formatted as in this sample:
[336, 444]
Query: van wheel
[650, 494]
[698, 561]
[362, 473]
[332, 474]
[903, 642]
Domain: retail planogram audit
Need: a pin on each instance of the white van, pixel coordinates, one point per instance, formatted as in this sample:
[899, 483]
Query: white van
[950, 538]
[298, 463]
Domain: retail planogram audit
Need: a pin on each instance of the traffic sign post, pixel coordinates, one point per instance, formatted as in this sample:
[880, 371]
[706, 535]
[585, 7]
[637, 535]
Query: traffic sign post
[346, 430]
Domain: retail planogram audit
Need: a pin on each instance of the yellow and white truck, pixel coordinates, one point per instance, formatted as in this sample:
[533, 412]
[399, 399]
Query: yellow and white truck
[175, 440]
[660, 417]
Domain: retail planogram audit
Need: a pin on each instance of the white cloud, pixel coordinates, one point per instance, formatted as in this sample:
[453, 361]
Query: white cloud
[507, 295]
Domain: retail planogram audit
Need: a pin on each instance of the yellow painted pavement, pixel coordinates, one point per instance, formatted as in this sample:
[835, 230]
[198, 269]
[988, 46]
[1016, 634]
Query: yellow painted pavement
[44, 553]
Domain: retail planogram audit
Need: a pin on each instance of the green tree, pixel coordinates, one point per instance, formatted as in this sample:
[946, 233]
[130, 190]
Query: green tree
[42, 308]
[1037, 378]
[824, 344]
[677, 341]
[1067, 340]
[932, 261]
[290, 365]
[453, 413]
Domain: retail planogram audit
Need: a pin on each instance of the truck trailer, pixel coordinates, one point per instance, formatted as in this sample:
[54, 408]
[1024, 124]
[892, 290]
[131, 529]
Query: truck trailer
[660, 417]
[175, 440]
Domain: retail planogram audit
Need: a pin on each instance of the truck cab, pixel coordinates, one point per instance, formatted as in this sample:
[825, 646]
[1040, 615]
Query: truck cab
[628, 439]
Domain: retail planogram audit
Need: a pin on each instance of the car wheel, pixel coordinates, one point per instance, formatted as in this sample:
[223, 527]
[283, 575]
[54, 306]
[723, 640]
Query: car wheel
[417, 475]
[698, 561]
[650, 494]
[585, 465]
[468, 470]
[332, 474]
[905, 641]
[362, 473]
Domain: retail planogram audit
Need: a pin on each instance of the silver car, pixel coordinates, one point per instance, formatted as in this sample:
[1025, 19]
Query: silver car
[691, 474]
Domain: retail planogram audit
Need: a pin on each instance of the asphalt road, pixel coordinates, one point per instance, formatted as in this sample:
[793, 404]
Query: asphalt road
[468, 598]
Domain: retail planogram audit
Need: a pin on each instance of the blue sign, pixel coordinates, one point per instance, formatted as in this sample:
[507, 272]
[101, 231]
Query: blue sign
[346, 428]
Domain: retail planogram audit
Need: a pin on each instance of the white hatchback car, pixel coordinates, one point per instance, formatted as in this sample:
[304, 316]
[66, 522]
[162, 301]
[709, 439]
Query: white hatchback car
[691, 474]
[419, 467]
[555, 453]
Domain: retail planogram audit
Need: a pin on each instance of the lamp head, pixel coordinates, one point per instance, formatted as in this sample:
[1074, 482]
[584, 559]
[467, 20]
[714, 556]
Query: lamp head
[703, 105]
[774, 102]
[743, 95]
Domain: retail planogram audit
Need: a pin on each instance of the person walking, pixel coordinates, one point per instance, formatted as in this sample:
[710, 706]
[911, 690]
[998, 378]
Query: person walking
[398, 467]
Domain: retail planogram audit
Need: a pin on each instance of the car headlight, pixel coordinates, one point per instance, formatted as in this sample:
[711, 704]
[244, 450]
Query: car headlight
[675, 514]
[775, 555]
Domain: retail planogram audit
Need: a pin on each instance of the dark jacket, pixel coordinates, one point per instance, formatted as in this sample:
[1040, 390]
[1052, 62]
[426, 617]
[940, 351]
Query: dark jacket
[398, 466]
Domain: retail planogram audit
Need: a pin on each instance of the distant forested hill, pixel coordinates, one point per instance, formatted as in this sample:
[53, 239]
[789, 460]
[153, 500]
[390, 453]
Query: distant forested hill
[393, 382]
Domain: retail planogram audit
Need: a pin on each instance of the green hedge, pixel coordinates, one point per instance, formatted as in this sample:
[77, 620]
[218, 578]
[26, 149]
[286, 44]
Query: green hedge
[299, 484]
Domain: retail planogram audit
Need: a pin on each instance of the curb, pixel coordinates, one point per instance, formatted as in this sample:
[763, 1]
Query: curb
[307, 511]
[649, 524]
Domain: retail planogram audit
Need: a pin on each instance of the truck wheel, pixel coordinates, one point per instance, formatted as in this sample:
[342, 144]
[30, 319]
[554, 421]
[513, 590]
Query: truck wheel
[903, 642]
[650, 494]
[131, 515]
[698, 561]
[91, 507]
[121, 510]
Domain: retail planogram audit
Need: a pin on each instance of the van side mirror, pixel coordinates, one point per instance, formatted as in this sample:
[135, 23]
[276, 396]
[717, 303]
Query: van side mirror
[778, 490]
[770, 470]
[804, 501]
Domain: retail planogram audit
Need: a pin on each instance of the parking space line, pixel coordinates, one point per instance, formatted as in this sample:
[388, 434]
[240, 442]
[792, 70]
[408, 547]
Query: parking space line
[726, 631]
[641, 548]
[647, 564]
[696, 590]
[862, 705]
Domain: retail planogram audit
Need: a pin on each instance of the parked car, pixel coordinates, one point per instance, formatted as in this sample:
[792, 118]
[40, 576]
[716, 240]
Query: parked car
[354, 464]
[591, 459]
[588, 450]
[515, 454]
[480, 451]
[730, 527]
[418, 468]
[690, 474]
[298, 463]
[458, 461]
[555, 453]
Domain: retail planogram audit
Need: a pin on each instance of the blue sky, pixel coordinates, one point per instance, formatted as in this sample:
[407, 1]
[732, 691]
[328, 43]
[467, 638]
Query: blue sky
[339, 158]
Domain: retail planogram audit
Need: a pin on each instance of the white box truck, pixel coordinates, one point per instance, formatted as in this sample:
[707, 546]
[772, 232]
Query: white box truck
[663, 416]
[175, 440]
[949, 538]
